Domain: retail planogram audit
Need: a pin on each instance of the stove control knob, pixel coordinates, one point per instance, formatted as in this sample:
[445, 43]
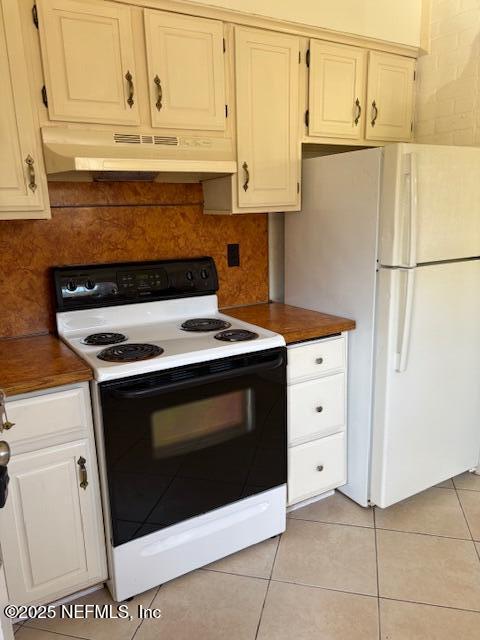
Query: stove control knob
[189, 275]
[204, 273]
[90, 284]
[71, 285]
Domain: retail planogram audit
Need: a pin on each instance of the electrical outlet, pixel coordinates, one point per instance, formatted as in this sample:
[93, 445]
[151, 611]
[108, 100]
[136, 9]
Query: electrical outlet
[233, 255]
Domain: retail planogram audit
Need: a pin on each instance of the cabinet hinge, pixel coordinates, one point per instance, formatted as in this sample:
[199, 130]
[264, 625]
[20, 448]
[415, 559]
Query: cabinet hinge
[226, 111]
[224, 45]
[44, 96]
[35, 15]
[299, 57]
[414, 76]
[411, 127]
[307, 58]
[298, 187]
[307, 118]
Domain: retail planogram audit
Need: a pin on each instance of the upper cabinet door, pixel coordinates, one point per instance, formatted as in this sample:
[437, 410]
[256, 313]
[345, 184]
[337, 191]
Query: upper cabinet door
[22, 179]
[389, 97]
[88, 58]
[336, 90]
[267, 126]
[185, 71]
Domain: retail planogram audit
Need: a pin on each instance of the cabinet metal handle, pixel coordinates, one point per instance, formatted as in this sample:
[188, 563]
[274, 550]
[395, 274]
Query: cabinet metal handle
[158, 84]
[83, 472]
[31, 173]
[5, 423]
[374, 113]
[247, 176]
[320, 467]
[319, 360]
[319, 409]
[131, 89]
[358, 111]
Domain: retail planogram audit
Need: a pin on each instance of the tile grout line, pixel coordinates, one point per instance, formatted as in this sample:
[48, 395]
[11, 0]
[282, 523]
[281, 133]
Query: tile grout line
[377, 575]
[149, 606]
[369, 595]
[267, 589]
[56, 633]
[361, 526]
[477, 549]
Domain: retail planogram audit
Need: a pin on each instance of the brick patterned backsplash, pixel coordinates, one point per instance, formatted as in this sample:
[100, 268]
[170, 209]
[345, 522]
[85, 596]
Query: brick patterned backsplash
[448, 86]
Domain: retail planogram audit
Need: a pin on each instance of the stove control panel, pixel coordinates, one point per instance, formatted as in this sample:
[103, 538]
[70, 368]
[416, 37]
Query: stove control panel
[82, 287]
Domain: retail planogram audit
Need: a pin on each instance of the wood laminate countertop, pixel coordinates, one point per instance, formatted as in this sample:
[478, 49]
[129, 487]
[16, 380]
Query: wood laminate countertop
[38, 362]
[294, 323]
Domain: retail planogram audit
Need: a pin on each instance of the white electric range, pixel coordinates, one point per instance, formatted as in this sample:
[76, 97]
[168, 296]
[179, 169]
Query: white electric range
[189, 411]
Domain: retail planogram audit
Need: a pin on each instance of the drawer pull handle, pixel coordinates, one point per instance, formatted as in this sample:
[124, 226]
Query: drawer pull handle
[319, 360]
[83, 472]
[319, 409]
[320, 467]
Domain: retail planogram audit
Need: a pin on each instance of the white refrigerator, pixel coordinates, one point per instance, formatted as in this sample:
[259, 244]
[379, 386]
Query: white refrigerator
[391, 238]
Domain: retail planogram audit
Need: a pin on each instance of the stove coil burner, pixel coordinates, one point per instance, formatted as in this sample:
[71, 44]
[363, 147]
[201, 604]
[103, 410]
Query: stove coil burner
[205, 324]
[130, 352]
[104, 338]
[236, 335]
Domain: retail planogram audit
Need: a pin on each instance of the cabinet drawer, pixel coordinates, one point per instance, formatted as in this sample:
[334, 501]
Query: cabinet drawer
[40, 417]
[310, 360]
[316, 467]
[316, 407]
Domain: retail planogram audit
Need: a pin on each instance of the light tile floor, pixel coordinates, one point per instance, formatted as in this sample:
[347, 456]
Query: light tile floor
[410, 572]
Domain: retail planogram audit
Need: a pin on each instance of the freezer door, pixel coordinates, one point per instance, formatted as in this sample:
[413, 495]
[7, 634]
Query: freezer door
[427, 378]
[430, 204]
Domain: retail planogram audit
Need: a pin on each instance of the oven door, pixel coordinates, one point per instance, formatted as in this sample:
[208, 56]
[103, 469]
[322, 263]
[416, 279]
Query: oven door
[185, 441]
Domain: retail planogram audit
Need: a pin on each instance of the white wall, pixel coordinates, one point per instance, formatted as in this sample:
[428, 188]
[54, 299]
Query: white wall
[392, 20]
[448, 81]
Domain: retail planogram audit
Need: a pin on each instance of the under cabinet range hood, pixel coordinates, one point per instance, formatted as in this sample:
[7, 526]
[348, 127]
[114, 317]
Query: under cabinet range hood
[188, 158]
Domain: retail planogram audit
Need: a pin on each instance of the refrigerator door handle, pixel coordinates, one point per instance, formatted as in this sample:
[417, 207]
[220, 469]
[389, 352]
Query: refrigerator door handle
[411, 175]
[413, 210]
[404, 325]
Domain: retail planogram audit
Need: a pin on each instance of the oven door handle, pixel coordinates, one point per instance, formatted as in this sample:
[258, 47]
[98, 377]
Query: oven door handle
[149, 392]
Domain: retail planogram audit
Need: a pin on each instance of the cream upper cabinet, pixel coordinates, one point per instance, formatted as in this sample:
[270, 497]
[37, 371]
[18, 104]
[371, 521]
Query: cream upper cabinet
[23, 188]
[88, 58]
[266, 69]
[50, 538]
[186, 71]
[389, 97]
[336, 90]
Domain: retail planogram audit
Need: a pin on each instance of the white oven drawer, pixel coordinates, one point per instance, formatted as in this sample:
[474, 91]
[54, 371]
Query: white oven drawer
[47, 415]
[311, 360]
[316, 407]
[316, 467]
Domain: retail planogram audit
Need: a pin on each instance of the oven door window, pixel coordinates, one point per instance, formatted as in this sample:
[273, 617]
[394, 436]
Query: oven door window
[177, 450]
[195, 425]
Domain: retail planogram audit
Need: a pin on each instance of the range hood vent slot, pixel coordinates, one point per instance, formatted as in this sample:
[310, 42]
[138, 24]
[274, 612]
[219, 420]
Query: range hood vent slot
[127, 138]
[137, 138]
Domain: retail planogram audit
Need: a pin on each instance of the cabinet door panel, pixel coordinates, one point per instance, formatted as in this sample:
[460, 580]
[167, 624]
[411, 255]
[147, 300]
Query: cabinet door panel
[50, 535]
[18, 139]
[389, 97]
[87, 51]
[186, 71]
[336, 91]
[268, 144]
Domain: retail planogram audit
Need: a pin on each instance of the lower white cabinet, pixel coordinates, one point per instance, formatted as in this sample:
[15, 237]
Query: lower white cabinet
[315, 467]
[52, 536]
[316, 401]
